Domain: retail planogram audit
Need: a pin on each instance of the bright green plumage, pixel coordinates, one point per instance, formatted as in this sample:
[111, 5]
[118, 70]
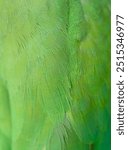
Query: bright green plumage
[54, 75]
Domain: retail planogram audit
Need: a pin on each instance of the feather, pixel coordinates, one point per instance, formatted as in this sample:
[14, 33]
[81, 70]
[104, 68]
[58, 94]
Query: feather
[55, 75]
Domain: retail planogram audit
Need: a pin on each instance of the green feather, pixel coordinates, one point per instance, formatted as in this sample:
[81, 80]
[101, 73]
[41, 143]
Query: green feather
[55, 75]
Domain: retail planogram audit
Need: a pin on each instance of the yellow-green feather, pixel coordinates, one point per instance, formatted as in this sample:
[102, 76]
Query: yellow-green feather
[54, 75]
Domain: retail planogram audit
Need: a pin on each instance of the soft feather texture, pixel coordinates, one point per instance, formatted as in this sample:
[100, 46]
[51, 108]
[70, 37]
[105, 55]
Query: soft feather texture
[54, 75]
